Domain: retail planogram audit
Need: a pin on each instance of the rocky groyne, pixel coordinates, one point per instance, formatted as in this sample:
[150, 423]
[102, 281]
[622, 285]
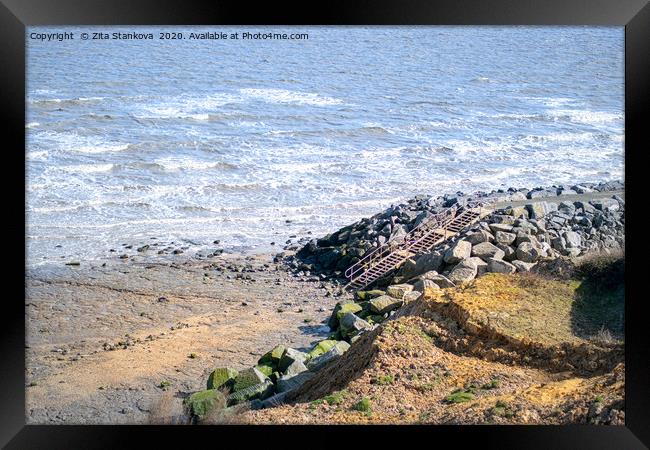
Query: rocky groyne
[525, 227]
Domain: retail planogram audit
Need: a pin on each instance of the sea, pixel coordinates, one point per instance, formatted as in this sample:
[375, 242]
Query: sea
[251, 141]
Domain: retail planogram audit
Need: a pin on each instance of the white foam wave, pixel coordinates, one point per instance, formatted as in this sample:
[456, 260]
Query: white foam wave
[32, 125]
[586, 116]
[39, 155]
[101, 148]
[285, 96]
[88, 168]
[174, 163]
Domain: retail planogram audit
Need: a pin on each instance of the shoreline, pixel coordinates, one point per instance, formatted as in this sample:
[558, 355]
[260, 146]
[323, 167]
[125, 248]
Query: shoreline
[107, 339]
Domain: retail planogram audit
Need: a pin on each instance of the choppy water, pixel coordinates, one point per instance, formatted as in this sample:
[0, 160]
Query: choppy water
[228, 140]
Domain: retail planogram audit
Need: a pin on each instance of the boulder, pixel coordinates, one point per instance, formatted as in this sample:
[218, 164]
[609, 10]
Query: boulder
[260, 390]
[317, 363]
[478, 237]
[486, 250]
[502, 237]
[528, 252]
[384, 304]
[398, 290]
[440, 280]
[423, 264]
[516, 211]
[538, 210]
[508, 252]
[481, 265]
[367, 295]
[265, 369]
[572, 239]
[606, 204]
[414, 295]
[463, 272]
[222, 376]
[202, 402]
[295, 368]
[523, 266]
[247, 378]
[496, 227]
[343, 308]
[290, 356]
[524, 237]
[500, 266]
[422, 285]
[352, 324]
[537, 193]
[322, 347]
[459, 251]
[272, 357]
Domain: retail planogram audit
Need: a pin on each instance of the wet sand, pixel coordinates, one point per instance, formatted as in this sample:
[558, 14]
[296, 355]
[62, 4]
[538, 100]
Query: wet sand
[102, 339]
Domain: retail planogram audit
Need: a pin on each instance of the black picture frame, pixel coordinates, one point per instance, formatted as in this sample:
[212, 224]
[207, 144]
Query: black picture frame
[15, 15]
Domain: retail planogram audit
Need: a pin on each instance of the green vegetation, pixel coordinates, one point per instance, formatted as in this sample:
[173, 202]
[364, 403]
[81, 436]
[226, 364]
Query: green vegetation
[363, 405]
[164, 385]
[460, 396]
[494, 384]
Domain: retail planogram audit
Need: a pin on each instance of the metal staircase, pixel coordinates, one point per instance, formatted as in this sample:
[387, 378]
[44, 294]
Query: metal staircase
[428, 234]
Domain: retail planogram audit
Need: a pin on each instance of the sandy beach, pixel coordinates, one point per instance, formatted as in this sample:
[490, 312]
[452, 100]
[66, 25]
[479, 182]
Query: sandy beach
[102, 339]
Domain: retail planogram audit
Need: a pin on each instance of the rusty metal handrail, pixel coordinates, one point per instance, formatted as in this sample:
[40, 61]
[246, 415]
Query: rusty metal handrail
[439, 220]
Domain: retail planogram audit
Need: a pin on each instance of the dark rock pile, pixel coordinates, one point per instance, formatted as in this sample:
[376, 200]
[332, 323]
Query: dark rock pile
[331, 255]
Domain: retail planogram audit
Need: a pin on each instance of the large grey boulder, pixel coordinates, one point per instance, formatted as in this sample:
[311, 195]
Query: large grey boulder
[317, 363]
[295, 368]
[487, 250]
[383, 304]
[481, 265]
[459, 251]
[508, 252]
[503, 237]
[351, 324]
[398, 290]
[572, 239]
[479, 236]
[424, 284]
[496, 227]
[463, 272]
[437, 278]
[528, 252]
[606, 204]
[423, 264]
[523, 266]
[290, 356]
[289, 383]
[538, 210]
[500, 266]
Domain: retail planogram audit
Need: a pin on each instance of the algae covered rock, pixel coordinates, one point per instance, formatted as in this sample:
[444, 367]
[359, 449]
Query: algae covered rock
[347, 309]
[272, 357]
[398, 290]
[337, 350]
[290, 356]
[222, 376]
[266, 369]
[384, 304]
[200, 403]
[351, 324]
[367, 295]
[322, 347]
[247, 378]
[260, 390]
[347, 306]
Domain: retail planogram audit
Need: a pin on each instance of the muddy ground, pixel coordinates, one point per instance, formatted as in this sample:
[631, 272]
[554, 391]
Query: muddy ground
[104, 343]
